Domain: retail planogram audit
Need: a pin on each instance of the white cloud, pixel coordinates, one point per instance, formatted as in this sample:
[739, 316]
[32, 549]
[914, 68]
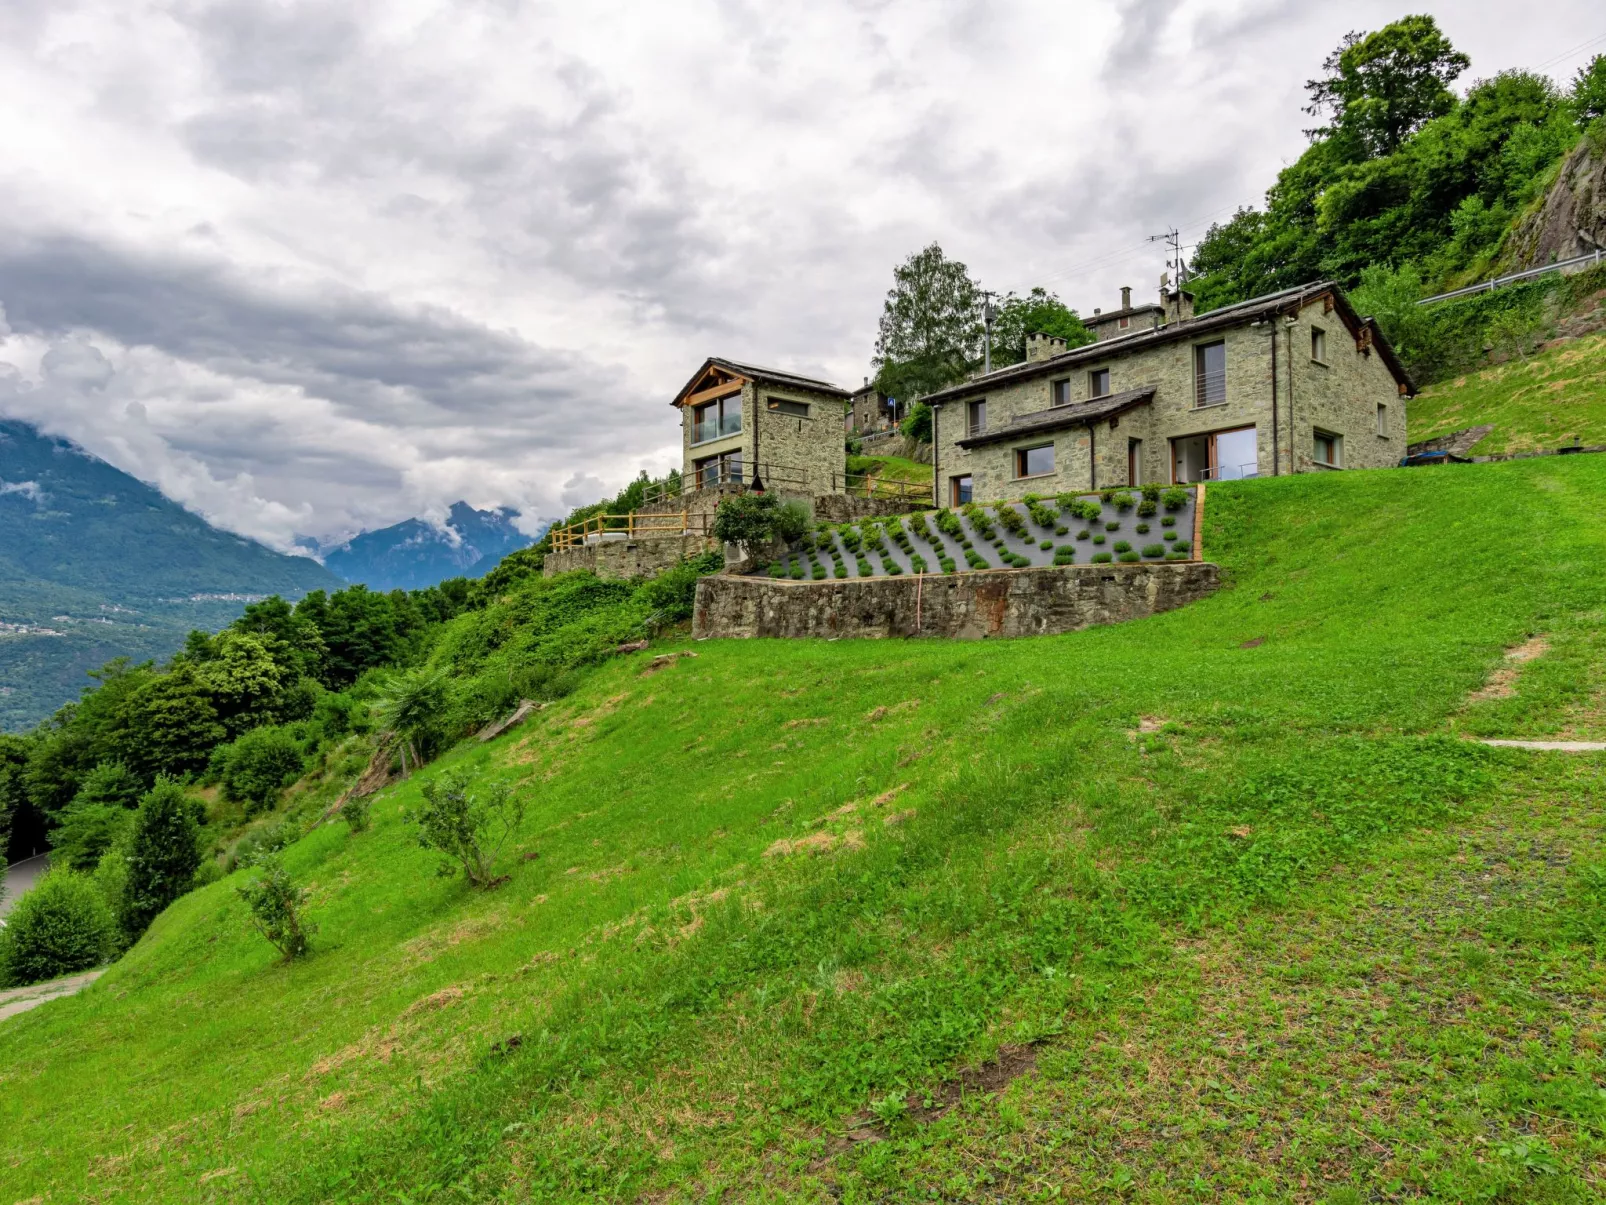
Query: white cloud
[316, 265]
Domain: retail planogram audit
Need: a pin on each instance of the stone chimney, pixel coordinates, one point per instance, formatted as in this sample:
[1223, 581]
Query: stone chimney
[1177, 303]
[1041, 347]
[1126, 297]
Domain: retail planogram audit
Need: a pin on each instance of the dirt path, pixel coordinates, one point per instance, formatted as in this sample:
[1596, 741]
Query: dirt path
[21, 999]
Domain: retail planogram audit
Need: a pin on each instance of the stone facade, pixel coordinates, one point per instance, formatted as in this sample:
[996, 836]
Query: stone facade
[1005, 602]
[1353, 398]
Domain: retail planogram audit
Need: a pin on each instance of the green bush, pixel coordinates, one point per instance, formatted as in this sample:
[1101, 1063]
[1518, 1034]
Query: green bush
[1151, 493]
[673, 593]
[797, 569]
[1122, 500]
[864, 568]
[470, 829]
[975, 559]
[1064, 555]
[259, 765]
[1175, 498]
[275, 903]
[59, 927]
[947, 564]
[841, 570]
[1046, 545]
[1099, 539]
[163, 856]
[100, 810]
[1083, 534]
[1116, 526]
[917, 563]
[1128, 556]
[1102, 558]
[1182, 546]
[819, 572]
[1121, 546]
[1147, 507]
[1154, 550]
[1142, 529]
[746, 518]
[1168, 521]
[356, 811]
[1107, 493]
[778, 569]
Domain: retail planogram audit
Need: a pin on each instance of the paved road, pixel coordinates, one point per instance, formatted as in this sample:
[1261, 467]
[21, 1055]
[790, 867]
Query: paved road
[19, 877]
[21, 999]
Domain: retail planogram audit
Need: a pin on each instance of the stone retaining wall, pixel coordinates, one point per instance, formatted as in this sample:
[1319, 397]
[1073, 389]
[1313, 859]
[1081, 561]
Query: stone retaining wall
[1004, 602]
[628, 558]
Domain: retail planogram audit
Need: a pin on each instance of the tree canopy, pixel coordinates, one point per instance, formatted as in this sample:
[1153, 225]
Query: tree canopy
[1039, 312]
[1382, 86]
[931, 329]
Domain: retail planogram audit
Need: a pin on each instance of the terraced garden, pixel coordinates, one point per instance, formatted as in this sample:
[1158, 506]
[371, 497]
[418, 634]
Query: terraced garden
[1147, 524]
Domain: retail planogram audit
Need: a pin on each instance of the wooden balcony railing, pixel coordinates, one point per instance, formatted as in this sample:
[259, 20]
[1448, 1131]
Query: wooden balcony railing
[634, 526]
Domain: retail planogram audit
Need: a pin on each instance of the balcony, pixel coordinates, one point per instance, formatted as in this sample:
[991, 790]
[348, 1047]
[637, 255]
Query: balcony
[706, 432]
[1209, 388]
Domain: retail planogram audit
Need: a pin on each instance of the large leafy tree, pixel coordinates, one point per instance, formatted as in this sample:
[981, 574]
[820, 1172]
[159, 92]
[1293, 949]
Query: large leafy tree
[1039, 312]
[1588, 95]
[931, 326]
[1380, 87]
[242, 679]
[359, 631]
[20, 829]
[170, 726]
[163, 856]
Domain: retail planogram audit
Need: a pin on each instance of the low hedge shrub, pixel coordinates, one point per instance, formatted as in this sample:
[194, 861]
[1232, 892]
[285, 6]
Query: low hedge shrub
[1154, 550]
[1128, 557]
[1102, 558]
[1121, 546]
[1174, 498]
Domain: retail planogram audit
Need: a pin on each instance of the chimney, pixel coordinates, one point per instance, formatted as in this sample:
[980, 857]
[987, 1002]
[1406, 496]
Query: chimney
[1177, 303]
[1126, 297]
[1040, 347]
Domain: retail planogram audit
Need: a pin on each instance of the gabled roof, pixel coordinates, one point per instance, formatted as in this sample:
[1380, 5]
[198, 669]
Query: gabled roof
[762, 376]
[1056, 418]
[1270, 305]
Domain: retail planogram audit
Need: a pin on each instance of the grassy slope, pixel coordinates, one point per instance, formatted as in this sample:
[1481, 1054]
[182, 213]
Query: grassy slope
[1154, 909]
[891, 468]
[1542, 401]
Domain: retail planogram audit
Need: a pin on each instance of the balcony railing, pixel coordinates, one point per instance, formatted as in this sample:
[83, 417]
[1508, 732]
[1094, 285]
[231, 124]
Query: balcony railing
[636, 525]
[1209, 388]
[728, 476]
[731, 424]
[862, 485]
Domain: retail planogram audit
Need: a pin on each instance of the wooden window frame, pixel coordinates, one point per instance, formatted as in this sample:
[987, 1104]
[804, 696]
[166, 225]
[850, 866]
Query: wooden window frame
[953, 489]
[1201, 383]
[1020, 455]
[972, 427]
[1318, 342]
[1093, 374]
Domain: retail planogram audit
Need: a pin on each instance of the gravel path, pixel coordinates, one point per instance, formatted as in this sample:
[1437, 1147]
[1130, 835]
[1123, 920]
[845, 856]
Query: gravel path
[1553, 746]
[21, 999]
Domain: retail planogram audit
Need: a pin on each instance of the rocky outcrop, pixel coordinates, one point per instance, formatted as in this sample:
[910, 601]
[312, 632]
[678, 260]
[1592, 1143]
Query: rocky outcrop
[1572, 220]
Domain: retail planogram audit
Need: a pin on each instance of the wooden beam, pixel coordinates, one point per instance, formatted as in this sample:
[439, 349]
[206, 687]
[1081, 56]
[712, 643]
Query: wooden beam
[713, 393]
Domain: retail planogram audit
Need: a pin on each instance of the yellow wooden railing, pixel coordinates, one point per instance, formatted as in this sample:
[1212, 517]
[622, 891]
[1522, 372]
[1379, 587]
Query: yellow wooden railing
[633, 526]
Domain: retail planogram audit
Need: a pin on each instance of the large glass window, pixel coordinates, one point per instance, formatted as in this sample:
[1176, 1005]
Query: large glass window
[715, 420]
[1327, 446]
[719, 470]
[1210, 374]
[976, 413]
[1034, 462]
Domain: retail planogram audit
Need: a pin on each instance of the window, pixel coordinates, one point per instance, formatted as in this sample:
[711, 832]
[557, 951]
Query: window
[715, 420]
[1061, 393]
[1098, 383]
[782, 406]
[1318, 345]
[1382, 420]
[1327, 448]
[1124, 322]
[725, 469]
[959, 487]
[976, 413]
[1034, 462]
[1209, 374]
[1134, 462]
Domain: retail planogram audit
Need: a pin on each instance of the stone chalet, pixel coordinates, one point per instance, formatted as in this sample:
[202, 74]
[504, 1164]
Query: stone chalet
[742, 424]
[1291, 382]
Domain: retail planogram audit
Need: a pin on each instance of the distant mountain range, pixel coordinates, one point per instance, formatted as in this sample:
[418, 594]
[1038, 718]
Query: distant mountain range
[415, 553]
[95, 564]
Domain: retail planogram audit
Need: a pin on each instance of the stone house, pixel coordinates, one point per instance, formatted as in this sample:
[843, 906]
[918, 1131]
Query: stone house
[1291, 382]
[741, 424]
[870, 411]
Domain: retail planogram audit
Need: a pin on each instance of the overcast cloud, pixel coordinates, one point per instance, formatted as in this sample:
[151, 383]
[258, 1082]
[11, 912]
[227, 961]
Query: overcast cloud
[316, 267]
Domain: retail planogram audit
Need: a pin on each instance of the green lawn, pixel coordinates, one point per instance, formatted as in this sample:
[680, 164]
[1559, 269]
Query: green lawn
[1245, 918]
[891, 468]
[1542, 401]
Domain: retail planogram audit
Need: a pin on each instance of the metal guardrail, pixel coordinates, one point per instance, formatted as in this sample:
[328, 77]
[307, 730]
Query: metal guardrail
[1489, 286]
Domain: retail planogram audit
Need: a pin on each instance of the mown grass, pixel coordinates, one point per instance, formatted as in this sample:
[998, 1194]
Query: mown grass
[891, 468]
[775, 889]
[1546, 400]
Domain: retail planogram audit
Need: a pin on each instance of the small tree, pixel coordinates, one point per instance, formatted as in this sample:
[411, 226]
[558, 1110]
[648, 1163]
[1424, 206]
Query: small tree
[259, 765]
[1588, 94]
[164, 854]
[411, 707]
[469, 829]
[746, 518]
[88, 825]
[356, 812]
[61, 926]
[276, 903]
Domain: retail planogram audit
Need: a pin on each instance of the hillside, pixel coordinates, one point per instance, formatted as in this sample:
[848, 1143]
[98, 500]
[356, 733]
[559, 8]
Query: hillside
[95, 564]
[1553, 397]
[415, 554]
[1060, 918]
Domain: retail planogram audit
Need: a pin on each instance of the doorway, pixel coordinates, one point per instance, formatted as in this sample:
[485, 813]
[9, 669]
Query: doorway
[1134, 462]
[1217, 456]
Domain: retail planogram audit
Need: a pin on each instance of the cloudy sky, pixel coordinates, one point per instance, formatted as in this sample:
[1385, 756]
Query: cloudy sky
[312, 267]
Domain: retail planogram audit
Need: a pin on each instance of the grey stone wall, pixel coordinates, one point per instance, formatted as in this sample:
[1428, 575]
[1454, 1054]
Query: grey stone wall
[627, 558]
[1005, 602]
[815, 445]
[840, 508]
[1339, 397]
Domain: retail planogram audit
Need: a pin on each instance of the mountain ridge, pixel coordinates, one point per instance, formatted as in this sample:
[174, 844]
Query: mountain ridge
[416, 553]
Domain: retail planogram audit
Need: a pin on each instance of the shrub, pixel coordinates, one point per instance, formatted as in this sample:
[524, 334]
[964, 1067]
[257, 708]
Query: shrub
[949, 522]
[355, 811]
[1116, 526]
[1032, 499]
[275, 903]
[864, 568]
[1121, 546]
[1182, 546]
[778, 569]
[1142, 529]
[1021, 562]
[947, 564]
[1174, 498]
[797, 569]
[410, 706]
[1122, 500]
[1042, 516]
[1102, 558]
[841, 570]
[1061, 530]
[1064, 555]
[1168, 521]
[917, 563]
[1151, 493]
[100, 810]
[1046, 545]
[1128, 556]
[975, 559]
[163, 856]
[819, 572]
[1147, 507]
[1099, 539]
[1083, 534]
[1174, 555]
[1154, 550]
[746, 518]
[1107, 493]
[470, 829]
[259, 765]
[61, 926]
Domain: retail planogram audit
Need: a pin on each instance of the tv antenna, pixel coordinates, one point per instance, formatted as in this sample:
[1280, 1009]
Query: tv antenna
[987, 296]
[1177, 264]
